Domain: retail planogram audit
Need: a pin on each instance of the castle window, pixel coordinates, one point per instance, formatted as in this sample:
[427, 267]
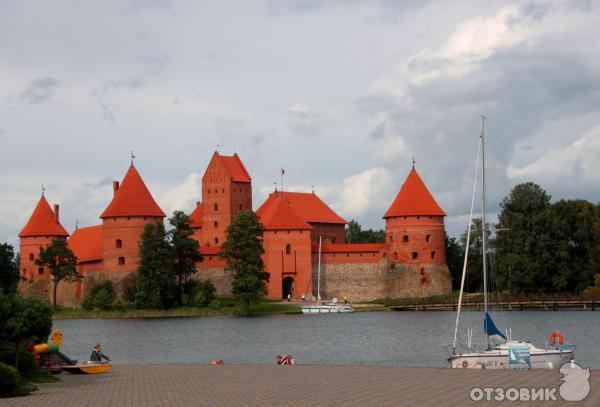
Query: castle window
[391, 238]
[405, 239]
[118, 243]
[288, 249]
[418, 217]
[41, 270]
[240, 207]
[121, 261]
[216, 224]
[422, 272]
[427, 238]
[216, 240]
[31, 256]
[216, 206]
[333, 240]
[209, 257]
[415, 255]
[433, 255]
[223, 190]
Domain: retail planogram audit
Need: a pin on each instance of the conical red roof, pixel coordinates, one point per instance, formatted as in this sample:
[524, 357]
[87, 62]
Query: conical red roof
[132, 199]
[43, 222]
[279, 214]
[196, 216]
[414, 199]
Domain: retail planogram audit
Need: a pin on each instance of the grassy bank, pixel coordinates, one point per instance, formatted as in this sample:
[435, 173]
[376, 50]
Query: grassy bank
[227, 307]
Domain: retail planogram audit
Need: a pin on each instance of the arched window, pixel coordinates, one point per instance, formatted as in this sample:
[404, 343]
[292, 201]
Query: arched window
[288, 249]
[391, 238]
[405, 239]
[216, 206]
[216, 240]
[433, 255]
[427, 238]
[118, 243]
[216, 224]
[415, 255]
[121, 260]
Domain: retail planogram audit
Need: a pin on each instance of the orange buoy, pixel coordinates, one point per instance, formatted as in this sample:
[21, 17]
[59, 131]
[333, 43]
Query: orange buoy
[557, 338]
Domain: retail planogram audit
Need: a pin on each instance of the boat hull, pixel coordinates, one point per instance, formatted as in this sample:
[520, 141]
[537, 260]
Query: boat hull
[549, 359]
[326, 309]
[89, 368]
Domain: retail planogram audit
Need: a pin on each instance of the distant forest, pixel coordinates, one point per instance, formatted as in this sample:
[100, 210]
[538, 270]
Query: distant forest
[534, 247]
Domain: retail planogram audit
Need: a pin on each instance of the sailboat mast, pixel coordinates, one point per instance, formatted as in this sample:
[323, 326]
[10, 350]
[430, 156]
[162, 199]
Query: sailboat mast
[319, 274]
[483, 235]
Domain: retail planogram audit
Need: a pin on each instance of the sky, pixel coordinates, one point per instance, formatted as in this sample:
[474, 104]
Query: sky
[341, 94]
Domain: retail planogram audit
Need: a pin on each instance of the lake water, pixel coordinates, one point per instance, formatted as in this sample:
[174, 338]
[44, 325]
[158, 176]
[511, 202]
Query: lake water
[363, 338]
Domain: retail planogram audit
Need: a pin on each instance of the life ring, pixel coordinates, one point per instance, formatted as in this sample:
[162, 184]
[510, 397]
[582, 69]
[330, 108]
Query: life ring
[465, 363]
[557, 338]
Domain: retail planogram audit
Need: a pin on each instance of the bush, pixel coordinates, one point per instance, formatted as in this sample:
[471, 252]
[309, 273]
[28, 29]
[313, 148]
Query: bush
[215, 304]
[100, 297]
[204, 293]
[9, 380]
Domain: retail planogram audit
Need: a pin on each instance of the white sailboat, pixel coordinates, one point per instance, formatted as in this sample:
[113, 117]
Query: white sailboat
[509, 354]
[333, 307]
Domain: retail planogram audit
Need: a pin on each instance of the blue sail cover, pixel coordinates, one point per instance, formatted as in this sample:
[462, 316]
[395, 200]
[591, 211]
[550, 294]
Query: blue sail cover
[490, 328]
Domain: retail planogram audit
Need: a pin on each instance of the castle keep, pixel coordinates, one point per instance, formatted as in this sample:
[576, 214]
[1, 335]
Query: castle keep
[411, 262]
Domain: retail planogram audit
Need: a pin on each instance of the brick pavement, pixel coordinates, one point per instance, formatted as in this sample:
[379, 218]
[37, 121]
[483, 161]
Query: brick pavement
[250, 385]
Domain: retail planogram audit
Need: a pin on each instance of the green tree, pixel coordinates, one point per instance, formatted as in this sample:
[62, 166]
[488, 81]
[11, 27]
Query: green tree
[204, 293]
[23, 320]
[242, 250]
[155, 276]
[61, 262]
[9, 270]
[355, 234]
[455, 254]
[101, 296]
[523, 247]
[186, 250]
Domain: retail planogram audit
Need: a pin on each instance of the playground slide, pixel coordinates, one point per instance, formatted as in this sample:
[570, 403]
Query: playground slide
[65, 358]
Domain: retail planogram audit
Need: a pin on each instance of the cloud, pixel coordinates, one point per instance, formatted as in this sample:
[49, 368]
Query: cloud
[578, 163]
[39, 90]
[183, 196]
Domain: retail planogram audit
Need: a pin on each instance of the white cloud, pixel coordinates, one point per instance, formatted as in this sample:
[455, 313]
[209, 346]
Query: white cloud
[578, 162]
[183, 196]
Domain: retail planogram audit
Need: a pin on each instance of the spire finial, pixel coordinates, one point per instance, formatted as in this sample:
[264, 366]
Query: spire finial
[413, 162]
[76, 224]
[275, 186]
[43, 189]
[218, 145]
[313, 189]
[132, 157]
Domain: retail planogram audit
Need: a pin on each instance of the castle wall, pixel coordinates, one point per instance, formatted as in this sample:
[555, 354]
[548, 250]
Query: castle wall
[121, 238]
[329, 232]
[420, 236]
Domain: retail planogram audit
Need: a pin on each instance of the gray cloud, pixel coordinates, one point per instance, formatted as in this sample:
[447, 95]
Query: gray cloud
[39, 90]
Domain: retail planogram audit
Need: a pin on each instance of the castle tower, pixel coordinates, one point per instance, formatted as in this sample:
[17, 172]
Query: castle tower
[226, 190]
[123, 222]
[287, 245]
[42, 228]
[414, 225]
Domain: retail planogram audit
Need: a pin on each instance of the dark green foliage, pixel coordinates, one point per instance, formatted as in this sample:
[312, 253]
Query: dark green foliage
[355, 234]
[23, 320]
[9, 380]
[186, 250]
[455, 255]
[155, 286]
[61, 262]
[100, 297]
[204, 293]
[9, 270]
[242, 251]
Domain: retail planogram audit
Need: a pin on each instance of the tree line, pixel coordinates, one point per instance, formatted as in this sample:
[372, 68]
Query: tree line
[535, 246]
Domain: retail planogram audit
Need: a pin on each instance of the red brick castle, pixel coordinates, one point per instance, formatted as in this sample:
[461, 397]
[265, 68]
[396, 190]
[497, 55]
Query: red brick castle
[411, 262]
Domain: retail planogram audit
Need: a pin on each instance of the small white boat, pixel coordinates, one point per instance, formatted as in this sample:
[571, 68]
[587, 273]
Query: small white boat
[503, 356]
[333, 307]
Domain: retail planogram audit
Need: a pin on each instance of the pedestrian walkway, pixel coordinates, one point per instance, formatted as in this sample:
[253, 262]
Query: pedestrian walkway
[259, 385]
